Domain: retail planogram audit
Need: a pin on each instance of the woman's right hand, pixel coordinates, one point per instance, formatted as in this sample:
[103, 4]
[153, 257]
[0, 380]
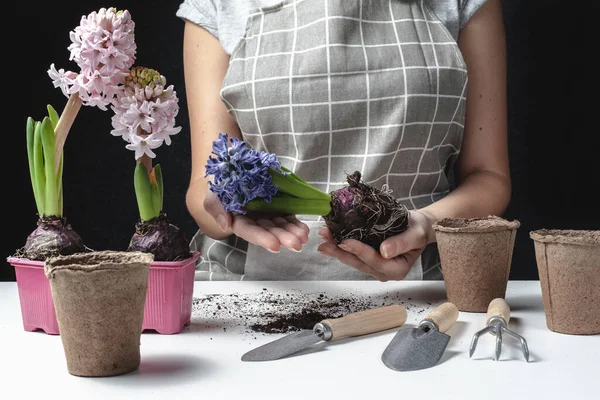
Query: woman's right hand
[268, 231]
[204, 74]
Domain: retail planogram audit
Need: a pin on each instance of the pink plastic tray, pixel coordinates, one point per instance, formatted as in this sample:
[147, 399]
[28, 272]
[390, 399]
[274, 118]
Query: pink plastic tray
[168, 301]
[37, 307]
[170, 294]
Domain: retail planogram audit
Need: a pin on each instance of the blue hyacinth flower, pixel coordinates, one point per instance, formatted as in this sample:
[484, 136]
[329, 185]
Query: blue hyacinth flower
[240, 173]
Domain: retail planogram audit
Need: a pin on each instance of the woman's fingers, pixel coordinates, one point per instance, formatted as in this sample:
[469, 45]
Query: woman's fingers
[392, 269]
[248, 230]
[415, 237]
[326, 235]
[214, 208]
[292, 228]
[270, 233]
[364, 252]
[408, 258]
[347, 258]
[286, 238]
[295, 221]
[398, 253]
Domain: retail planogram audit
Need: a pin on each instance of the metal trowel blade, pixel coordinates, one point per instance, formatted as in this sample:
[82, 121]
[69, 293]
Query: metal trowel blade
[414, 349]
[283, 346]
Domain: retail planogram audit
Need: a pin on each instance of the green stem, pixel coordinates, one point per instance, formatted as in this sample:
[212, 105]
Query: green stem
[294, 186]
[60, 184]
[54, 118]
[143, 193]
[63, 125]
[291, 205]
[51, 195]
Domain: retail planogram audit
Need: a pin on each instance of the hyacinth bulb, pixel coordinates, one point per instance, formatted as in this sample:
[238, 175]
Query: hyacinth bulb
[52, 237]
[365, 213]
[167, 242]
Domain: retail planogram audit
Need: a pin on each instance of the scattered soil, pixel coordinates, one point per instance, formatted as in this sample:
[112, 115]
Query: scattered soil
[270, 312]
[304, 319]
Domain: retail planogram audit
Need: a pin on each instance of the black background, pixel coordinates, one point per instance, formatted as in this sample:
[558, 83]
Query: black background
[552, 113]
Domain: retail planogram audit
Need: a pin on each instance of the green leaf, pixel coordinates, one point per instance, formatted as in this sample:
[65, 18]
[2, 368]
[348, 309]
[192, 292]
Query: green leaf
[291, 205]
[293, 175]
[289, 184]
[30, 158]
[51, 202]
[53, 115]
[143, 193]
[39, 174]
[158, 193]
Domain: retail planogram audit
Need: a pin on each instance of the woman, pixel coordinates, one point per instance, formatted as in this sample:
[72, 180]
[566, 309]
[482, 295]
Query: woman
[332, 86]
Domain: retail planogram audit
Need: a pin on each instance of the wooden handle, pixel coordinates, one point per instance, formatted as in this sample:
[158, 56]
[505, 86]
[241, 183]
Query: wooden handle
[443, 316]
[364, 322]
[498, 308]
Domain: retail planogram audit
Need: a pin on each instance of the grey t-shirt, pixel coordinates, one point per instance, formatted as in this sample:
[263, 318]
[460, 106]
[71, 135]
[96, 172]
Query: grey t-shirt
[226, 19]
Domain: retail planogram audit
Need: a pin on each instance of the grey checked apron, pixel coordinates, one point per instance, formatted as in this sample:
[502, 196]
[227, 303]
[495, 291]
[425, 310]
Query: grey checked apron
[334, 86]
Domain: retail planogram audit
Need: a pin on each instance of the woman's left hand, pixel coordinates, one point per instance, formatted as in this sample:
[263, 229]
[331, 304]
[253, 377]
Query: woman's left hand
[396, 255]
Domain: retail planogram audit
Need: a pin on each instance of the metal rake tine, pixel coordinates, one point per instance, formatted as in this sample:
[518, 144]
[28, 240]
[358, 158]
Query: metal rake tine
[498, 342]
[523, 343]
[476, 338]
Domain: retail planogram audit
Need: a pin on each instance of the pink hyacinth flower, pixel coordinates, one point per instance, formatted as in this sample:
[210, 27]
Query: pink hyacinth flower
[103, 47]
[143, 144]
[145, 111]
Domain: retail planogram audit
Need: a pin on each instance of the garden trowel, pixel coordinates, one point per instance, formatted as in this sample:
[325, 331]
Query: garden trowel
[421, 347]
[355, 324]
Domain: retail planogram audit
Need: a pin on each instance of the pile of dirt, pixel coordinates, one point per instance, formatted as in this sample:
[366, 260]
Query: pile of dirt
[287, 311]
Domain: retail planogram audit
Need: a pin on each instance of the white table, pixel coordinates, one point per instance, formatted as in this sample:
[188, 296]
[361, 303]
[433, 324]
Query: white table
[203, 361]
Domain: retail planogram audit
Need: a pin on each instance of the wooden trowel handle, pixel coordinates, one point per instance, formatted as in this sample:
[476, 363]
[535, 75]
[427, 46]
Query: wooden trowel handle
[443, 316]
[365, 322]
[498, 308]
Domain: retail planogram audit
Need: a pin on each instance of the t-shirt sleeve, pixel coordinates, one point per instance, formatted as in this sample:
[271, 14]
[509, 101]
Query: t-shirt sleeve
[200, 12]
[467, 9]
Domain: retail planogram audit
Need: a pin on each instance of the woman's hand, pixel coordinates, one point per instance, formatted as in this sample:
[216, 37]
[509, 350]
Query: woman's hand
[204, 74]
[268, 231]
[397, 253]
